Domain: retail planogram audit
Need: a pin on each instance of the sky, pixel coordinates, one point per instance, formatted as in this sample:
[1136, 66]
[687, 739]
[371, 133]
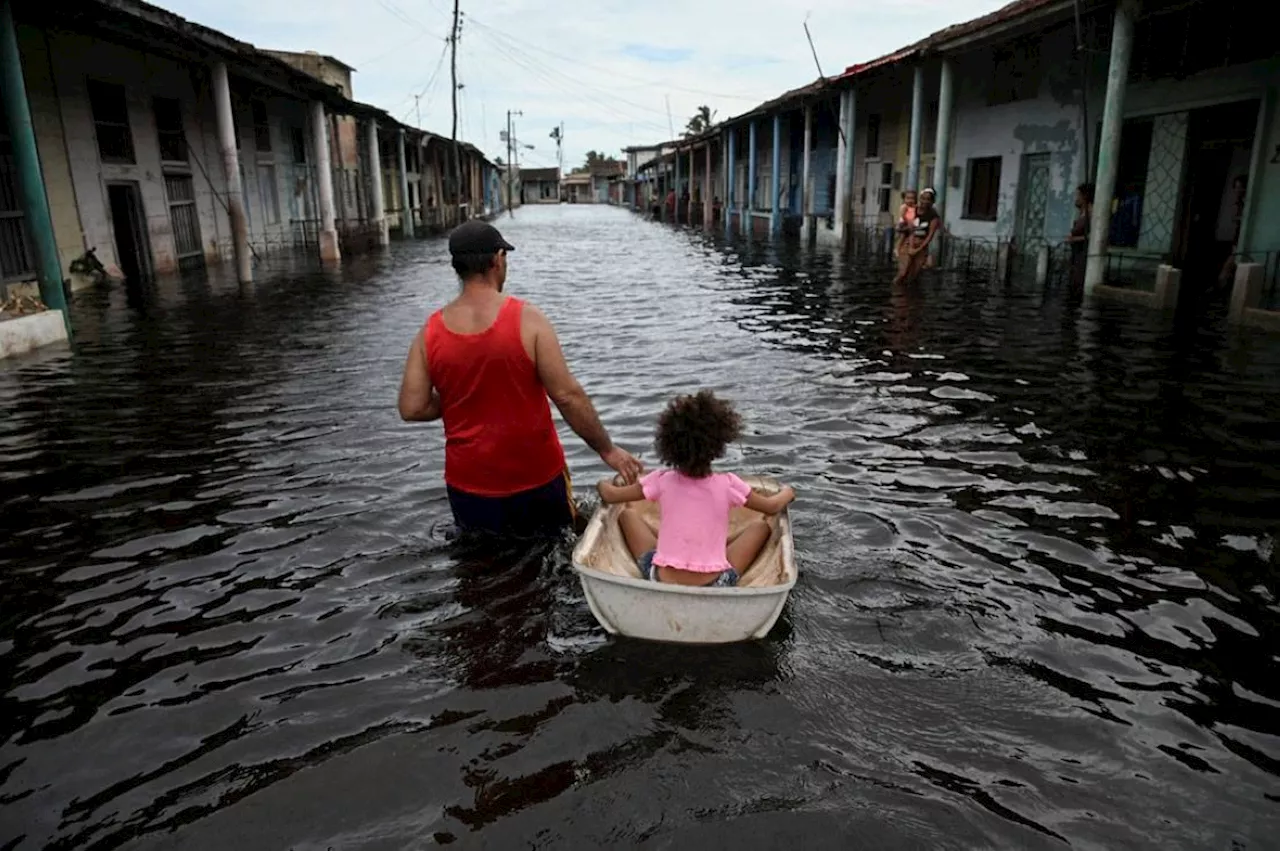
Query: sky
[614, 73]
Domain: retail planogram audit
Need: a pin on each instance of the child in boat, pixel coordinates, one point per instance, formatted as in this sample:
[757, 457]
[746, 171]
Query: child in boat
[692, 545]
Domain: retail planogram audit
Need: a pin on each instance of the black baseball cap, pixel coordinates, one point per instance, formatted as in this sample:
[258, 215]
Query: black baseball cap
[477, 237]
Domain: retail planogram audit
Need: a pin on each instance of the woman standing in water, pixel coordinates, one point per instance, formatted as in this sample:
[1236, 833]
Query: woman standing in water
[915, 246]
[1079, 238]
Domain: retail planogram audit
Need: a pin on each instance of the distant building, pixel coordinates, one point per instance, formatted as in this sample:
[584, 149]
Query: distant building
[576, 188]
[606, 180]
[540, 185]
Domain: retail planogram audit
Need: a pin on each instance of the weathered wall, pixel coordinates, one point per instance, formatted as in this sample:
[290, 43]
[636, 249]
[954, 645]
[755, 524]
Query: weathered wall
[1259, 80]
[77, 58]
[54, 166]
[1049, 123]
[881, 95]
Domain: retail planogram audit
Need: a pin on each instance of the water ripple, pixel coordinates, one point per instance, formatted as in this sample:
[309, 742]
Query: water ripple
[1037, 604]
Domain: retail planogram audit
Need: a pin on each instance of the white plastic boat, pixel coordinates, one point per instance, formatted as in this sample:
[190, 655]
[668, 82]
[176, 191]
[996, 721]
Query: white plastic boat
[626, 604]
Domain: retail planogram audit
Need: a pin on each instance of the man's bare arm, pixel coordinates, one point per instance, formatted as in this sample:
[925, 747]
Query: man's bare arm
[563, 389]
[574, 404]
[419, 402]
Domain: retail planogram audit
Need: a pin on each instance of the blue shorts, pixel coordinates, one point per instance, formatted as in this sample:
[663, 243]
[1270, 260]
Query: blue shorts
[726, 579]
[540, 511]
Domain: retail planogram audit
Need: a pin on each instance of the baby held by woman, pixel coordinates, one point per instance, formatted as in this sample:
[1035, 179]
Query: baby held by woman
[693, 545]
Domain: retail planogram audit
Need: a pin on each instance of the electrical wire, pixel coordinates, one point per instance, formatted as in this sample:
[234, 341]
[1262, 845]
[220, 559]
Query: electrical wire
[564, 84]
[428, 89]
[509, 44]
[612, 72]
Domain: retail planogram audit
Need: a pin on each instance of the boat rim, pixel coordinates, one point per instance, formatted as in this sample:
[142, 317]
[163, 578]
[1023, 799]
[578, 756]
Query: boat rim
[696, 591]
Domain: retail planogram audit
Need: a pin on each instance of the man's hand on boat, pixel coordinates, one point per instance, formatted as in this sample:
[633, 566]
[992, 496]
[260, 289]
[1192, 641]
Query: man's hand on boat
[627, 465]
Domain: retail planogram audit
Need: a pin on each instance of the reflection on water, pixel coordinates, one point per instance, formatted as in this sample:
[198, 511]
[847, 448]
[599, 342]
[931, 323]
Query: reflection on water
[1038, 583]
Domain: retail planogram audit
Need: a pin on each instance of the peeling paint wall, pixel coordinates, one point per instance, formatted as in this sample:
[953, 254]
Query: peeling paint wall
[882, 95]
[1049, 123]
[46, 120]
[77, 58]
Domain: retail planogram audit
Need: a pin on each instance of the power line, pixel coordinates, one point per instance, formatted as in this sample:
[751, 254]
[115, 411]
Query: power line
[427, 90]
[511, 46]
[563, 83]
[612, 72]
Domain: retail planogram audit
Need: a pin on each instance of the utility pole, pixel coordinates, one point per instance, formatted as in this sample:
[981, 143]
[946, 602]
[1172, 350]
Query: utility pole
[511, 198]
[455, 178]
[417, 110]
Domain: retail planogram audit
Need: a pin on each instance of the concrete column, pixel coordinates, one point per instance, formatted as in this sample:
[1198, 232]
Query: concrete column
[329, 250]
[850, 171]
[806, 192]
[422, 187]
[1247, 290]
[377, 214]
[407, 211]
[1042, 265]
[707, 210]
[1109, 147]
[336, 162]
[841, 143]
[730, 182]
[675, 210]
[942, 142]
[1168, 281]
[917, 128]
[688, 213]
[748, 203]
[231, 165]
[775, 183]
[35, 203]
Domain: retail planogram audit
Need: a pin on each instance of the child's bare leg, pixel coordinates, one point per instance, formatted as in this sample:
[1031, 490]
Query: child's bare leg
[744, 548]
[639, 536]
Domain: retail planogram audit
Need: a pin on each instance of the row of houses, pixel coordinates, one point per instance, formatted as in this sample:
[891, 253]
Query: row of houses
[1167, 108]
[155, 144]
[598, 183]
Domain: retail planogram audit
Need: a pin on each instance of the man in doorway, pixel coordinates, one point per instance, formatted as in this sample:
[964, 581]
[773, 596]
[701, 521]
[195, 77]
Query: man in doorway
[486, 364]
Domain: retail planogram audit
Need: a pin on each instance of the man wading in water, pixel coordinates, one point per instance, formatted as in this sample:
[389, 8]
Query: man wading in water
[486, 363]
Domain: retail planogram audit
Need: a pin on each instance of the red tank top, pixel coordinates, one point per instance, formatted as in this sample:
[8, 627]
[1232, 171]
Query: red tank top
[499, 437]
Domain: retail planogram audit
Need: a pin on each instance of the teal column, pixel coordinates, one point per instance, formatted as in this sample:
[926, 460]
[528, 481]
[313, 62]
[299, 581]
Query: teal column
[917, 128]
[775, 182]
[748, 203]
[1109, 148]
[22, 136]
[730, 162]
[942, 142]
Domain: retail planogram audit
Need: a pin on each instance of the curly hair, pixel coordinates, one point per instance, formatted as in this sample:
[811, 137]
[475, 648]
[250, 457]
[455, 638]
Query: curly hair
[694, 430]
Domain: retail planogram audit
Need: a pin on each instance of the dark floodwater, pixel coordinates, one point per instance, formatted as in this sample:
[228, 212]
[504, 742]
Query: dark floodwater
[1037, 603]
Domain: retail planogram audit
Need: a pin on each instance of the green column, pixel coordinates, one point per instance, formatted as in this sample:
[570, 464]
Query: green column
[35, 204]
[1109, 149]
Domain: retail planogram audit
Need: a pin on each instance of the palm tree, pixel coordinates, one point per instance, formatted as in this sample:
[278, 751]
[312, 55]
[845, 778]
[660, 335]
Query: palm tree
[701, 121]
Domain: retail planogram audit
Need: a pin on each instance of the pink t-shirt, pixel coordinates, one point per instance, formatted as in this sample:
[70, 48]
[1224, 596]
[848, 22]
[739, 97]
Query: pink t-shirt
[695, 517]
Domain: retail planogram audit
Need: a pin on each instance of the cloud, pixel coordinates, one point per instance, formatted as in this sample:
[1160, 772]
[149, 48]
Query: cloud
[653, 53]
[597, 69]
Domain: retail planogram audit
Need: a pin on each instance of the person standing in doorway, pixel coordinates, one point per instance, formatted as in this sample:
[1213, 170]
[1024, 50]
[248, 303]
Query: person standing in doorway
[486, 364]
[1078, 241]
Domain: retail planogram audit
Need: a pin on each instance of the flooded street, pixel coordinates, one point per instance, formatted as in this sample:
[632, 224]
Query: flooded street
[1036, 609]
